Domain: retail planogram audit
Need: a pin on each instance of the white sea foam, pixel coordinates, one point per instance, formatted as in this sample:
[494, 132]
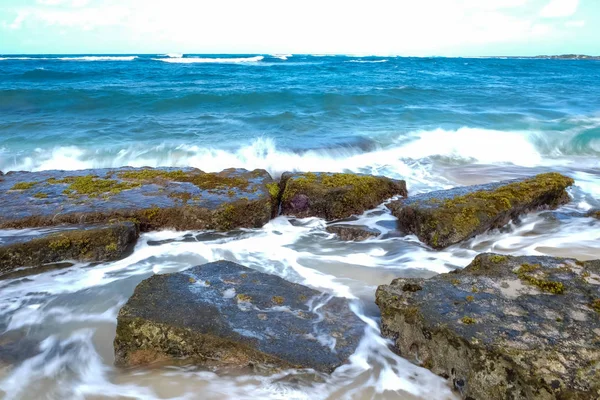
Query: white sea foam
[282, 56]
[173, 55]
[367, 61]
[73, 58]
[408, 156]
[200, 60]
[99, 58]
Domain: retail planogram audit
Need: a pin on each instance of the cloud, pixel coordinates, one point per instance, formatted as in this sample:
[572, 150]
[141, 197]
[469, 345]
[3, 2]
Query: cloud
[559, 8]
[415, 27]
[18, 21]
[575, 24]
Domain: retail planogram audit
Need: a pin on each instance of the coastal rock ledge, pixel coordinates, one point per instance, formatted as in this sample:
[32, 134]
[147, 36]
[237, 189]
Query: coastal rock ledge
[334, 196]
[93, 242]
[503, 327]
[153, 198]
[443, 218]
[223, 314]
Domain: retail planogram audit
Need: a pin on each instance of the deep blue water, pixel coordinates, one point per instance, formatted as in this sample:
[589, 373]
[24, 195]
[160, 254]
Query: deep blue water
[76, 111]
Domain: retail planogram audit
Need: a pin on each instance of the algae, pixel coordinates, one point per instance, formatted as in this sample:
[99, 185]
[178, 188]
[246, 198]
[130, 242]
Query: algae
[496, 259]
[92, 186]
[468, 320]
[278, 300]
[462, 216]
[23, 185]
[243, 298]
[40, 195]
[596, 305]
[526, 274]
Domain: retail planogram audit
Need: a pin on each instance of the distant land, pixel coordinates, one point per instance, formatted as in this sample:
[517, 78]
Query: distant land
[569, 57]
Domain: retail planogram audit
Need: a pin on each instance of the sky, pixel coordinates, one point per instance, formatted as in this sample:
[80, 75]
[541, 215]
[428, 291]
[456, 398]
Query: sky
[378, 27]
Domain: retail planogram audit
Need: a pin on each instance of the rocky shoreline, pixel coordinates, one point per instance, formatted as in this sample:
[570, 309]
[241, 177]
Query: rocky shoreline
[502, 327]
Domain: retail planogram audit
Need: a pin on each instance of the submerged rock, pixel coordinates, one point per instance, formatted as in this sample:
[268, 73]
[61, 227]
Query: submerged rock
[163, 198]
[503, 327]
[335, 196]
[95, 242]
[224, 314]
[354, 233]
[443, 218]
[595, 213]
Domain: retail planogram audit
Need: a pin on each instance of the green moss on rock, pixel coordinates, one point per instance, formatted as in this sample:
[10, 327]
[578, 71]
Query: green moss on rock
[83, 243]
[440, 222]
[23, 185]
[93, 186]
[527, 273]
[335, 195]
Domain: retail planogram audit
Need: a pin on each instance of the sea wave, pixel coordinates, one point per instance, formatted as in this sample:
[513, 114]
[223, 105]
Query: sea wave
[173, 55]
[409, 156]
[367, 61]
[282, 56]
[82, 58]
[193, 60]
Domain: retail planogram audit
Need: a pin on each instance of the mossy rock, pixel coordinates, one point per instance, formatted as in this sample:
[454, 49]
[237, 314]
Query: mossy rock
[352, 233]
[515, 337]
[334, 196]
[443, 218]
[223, 314]
[95, 242]
[154, 198]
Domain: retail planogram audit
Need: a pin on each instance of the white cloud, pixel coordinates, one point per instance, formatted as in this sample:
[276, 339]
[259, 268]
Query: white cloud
[559, 8]
[18, 21]
[415, 27]
[575, 24]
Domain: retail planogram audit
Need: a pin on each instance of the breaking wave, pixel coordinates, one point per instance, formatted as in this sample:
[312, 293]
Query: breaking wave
[193, 60]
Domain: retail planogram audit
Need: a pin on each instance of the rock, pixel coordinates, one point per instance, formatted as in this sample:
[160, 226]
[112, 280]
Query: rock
[164, 198]
[95, 242]
[352, 232]
[222, 314]
[335, 196]
[595, 213]
[503, 327]
[443, 218]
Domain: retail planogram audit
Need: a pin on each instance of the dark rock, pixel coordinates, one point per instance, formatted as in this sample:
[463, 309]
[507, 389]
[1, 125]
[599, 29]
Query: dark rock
[95, 242]
[504, 327]
[335, 196]
[352, 232]
[168, 198]
[443, 218]
[595, 213]
[222, 314]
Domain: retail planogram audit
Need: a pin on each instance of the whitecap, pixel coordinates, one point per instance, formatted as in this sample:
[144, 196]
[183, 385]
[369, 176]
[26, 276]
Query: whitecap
[200, 60]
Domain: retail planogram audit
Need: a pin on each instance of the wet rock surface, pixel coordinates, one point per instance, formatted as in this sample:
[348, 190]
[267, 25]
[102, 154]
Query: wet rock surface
[223, 314]
[172, 198]
[94, 242]
[335, 196]
[443, 218]
[503, 327]
[355, 233]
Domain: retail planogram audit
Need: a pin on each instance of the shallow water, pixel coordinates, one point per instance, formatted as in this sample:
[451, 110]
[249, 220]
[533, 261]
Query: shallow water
[458, 122]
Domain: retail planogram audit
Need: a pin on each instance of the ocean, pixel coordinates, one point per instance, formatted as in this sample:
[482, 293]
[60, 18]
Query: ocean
[435, 122]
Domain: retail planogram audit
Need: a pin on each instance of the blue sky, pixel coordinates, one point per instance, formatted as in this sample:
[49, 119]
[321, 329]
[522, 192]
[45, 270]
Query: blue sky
[403, 27]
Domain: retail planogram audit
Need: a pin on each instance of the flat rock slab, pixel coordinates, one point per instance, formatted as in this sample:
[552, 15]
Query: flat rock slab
[169, 198]
[352, 233]
[93, 242]
[503, 327]
[335, 196]
[443, 218]
[226, 315]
